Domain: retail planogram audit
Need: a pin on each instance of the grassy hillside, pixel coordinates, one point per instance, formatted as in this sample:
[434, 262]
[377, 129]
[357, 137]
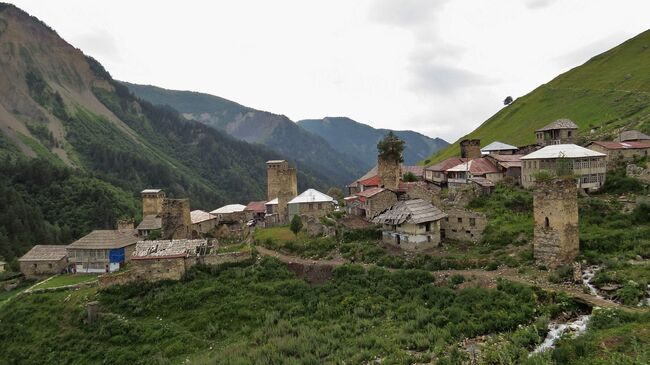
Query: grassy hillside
[360, 140]
[276, 132]
[608, 92]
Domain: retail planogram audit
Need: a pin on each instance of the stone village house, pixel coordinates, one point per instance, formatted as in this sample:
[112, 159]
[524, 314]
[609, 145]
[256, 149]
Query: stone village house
[166, 259]
[44, 260]
[311, 203]
[102, 251]
[618, 153]
[411, 225]
[561, 131]
[370, 202]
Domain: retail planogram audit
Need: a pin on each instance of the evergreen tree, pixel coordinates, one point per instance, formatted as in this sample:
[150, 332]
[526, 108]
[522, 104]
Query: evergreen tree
[296, 224]
[391, 148]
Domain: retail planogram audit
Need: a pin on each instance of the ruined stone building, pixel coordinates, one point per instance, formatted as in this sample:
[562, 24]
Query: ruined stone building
[371, 202]
[619, 153]
[470, 148]
[462, 225]
[412, 225]
[311, 203]
[587, 165]
[44, 260]
[166, 259]
[255, 210]
[176, 221]
[230, 213]
[561, 131]
[555, 210]
[282, 184]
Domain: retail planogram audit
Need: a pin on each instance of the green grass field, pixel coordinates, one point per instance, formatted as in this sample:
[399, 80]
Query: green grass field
[65, 280]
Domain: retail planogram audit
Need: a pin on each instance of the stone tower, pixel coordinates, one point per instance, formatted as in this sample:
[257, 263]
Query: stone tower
[555, 205]
[282, 183]
[470, 148]
[390, 173]
[152, 201]
[175, 217]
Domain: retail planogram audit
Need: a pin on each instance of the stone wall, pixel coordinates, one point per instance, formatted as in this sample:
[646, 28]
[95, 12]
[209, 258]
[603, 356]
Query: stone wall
[176, 220]
[40, 269]
[159, 269]
[470, 148]
[379, 202]
[555, 205]
[389, 172]
[463, 225]
[421, 190]
[152, 203]
[119, 278]
[638, 172]
[223, 258]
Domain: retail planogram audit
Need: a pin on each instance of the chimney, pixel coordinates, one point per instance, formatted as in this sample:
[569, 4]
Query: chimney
[125, 225]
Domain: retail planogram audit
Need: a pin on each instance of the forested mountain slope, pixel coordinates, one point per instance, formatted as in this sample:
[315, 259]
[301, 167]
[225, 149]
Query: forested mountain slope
[61, 106]
[609, 92]
[360, 140]
[272, 130]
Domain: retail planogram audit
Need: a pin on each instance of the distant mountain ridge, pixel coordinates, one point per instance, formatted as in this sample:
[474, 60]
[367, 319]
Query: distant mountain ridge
[360, 140]
[608, 93]
[255, 126]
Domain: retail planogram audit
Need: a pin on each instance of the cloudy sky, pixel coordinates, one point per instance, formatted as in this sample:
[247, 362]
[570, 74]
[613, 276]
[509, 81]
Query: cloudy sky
[440, 67]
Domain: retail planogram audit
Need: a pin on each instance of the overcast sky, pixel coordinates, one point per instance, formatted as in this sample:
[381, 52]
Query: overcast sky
[438, 67]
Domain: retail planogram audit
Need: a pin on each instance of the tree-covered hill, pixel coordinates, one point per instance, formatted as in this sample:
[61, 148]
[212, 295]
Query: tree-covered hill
[357, 139]
[276, 132]
[63, 107]
[609, 92]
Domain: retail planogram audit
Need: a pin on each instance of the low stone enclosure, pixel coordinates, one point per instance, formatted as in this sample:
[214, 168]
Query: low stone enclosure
[169, 268]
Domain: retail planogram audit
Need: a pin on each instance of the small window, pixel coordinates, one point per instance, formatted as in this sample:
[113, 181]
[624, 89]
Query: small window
[35, 266]
[460, 220]
[468, 232]
[569, 133]
[546, 223]
[49, 266]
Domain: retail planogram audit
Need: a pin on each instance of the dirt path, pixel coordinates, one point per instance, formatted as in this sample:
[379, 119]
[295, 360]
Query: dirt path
[481, 277]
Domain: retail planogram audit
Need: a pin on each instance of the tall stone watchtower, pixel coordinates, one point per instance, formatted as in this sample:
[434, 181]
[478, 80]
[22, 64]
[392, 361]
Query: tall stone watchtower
[389, 172]
[555, 205]
[282, 183]
[152, 201]
[470, 148]
[175, 219]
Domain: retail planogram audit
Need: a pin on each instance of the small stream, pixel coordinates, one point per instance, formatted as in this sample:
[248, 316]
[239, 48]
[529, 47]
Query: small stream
[575, 327]
[587, 275]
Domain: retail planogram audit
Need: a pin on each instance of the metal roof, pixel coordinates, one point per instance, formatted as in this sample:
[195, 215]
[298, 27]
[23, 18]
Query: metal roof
[230, 208]
[370, 192]
[446, 164]
[150, 191]
[275, 161]
[559, 124]
[498, 146]
[198, 216]
[562, 151]
[477, 166]
[414, 211]
[272, 202]
[105, 239]
[45, 253]
[257, 206]
[311, 196]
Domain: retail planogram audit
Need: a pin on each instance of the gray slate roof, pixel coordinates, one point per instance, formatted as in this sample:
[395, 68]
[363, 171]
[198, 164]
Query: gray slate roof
[633, 136]
[150, 222]
[414, 211]
[167, 248]
[559, 124]
[45, 253]
[105, 239]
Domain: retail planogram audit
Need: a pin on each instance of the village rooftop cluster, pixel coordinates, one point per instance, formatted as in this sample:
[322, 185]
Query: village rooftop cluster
[406, 202]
